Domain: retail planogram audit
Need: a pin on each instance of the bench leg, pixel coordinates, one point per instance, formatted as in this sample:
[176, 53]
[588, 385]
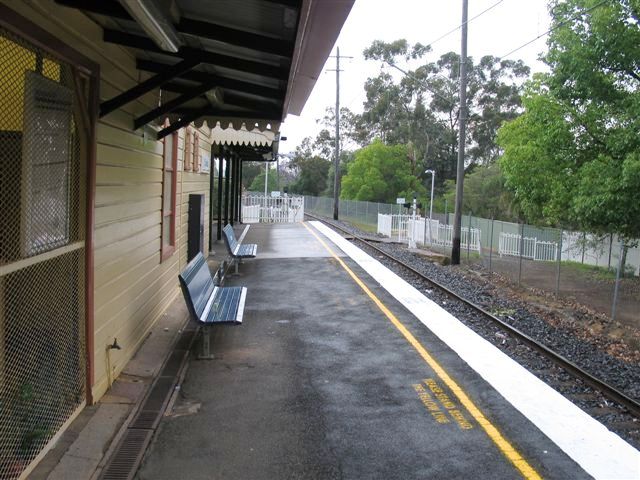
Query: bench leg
[206, 354]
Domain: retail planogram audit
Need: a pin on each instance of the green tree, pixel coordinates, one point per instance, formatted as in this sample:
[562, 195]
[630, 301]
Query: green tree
[380, 173]
[312, 178]
[250, 170]
[485, 194]
[258, 182]
[573, 158]
[422, 108]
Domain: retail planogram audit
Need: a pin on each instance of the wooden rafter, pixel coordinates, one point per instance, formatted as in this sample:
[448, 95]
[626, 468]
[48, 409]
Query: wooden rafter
[217, 59]
[146, 86]
[286, 3]
[220, 80]
[188, 26]
[172, 104]
[232, 36]
[109, 8]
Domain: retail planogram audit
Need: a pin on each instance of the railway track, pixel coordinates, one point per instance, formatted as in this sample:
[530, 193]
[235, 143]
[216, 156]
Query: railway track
[578, 395]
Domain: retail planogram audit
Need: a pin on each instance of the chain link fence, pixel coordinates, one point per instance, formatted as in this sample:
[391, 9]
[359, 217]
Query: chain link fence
[573, 265]
[42, 284]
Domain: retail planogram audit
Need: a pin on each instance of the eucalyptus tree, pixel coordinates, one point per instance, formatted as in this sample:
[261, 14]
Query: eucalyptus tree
[573, 157]
[421, 108]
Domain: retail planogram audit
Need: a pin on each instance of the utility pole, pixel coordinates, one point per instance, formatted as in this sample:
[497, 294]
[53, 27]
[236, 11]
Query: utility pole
[336, 162]
[462, 119]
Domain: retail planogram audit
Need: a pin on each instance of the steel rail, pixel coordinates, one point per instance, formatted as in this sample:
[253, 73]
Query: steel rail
[607, 390]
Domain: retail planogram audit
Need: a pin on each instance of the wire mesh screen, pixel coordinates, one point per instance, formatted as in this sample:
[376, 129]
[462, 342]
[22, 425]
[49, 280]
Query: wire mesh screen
[42, 285]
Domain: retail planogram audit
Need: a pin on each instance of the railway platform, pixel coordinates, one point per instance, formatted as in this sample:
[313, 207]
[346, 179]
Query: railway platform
[342, 370]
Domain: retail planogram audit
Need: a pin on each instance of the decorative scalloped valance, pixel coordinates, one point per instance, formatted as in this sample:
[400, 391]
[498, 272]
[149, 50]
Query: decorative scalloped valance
[235, 123]
[232, 135]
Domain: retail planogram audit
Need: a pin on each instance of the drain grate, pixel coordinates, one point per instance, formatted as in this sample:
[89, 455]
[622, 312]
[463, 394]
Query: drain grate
[159, 394]
[124, 463]
[128, 455]
[172, 367]
[146, 420]
[184, 342]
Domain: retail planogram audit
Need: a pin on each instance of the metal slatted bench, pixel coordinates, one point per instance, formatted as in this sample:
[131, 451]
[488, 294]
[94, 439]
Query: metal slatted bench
[238, 251]
[208, 303]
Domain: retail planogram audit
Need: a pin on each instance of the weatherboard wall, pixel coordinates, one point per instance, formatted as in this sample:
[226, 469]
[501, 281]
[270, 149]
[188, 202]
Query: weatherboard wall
[133, 287]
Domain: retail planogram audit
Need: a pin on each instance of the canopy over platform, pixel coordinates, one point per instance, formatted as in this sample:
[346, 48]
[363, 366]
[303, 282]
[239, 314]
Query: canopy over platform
[249, 62]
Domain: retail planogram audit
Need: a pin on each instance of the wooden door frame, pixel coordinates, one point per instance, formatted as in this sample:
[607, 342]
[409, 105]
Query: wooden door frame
[83, 66]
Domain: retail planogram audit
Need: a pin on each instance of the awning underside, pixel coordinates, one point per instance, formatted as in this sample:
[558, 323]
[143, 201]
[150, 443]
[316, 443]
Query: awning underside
[232, 65]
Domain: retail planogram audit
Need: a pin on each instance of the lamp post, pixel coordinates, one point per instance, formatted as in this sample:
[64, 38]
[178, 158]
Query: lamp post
[433, 178]
[266, 178]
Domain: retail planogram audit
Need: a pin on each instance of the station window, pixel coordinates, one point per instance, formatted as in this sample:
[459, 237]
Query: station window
[170, 168]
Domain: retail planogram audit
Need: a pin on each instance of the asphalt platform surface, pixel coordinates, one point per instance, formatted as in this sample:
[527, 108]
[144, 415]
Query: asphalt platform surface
[318, 384]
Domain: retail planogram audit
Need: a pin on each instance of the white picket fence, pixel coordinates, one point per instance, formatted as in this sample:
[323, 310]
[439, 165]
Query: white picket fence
[384, 225]
[532, 248]
[283, 209]
[469, 240]
[406, 227]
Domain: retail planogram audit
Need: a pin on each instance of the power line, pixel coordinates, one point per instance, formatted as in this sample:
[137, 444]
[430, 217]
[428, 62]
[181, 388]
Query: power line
[561, 24]
[466, 23]
[416, 79]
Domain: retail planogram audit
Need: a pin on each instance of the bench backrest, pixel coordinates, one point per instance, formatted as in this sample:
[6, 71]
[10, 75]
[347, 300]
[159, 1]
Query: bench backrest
[230, 238]
[197, 285]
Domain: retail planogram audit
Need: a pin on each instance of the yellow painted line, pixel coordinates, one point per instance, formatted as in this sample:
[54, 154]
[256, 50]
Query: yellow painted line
[494, 434]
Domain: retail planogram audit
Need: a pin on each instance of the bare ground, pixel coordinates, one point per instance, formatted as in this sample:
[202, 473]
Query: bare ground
[583, 306]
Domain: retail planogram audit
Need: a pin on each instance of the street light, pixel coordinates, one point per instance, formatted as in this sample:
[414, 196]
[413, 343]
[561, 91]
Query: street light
[433, 178]
[266, 179]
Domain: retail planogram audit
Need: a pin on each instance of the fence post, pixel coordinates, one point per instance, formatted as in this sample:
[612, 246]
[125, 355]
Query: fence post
[521, 249]
[491, 246]
[446, 212]
[559, 264]
[366, 212]
[617, 285]
[425, 230]
[610, 248]
[469, 236]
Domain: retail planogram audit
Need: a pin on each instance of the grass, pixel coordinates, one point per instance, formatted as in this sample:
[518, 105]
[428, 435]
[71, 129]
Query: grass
[602, 273]
[365, 227]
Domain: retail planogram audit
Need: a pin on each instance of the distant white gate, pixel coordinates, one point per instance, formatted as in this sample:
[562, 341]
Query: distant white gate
[532, 248]
[469, 238]
[261, 209]
[384, 224]
[405, 227]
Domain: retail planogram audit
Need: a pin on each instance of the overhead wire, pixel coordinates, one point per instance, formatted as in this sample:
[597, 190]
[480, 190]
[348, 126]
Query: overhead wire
[391, 64]
[465, 23]
[555, 27]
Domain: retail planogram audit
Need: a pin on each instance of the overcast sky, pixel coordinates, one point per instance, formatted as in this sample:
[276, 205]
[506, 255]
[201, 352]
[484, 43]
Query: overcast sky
[504, 27]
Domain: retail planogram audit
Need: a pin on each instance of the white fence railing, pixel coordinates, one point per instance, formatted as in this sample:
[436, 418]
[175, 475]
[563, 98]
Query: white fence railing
[405, 228]
[470, 241]
[580, 247]
[512, 245]
[384, 225]
[261, 209]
